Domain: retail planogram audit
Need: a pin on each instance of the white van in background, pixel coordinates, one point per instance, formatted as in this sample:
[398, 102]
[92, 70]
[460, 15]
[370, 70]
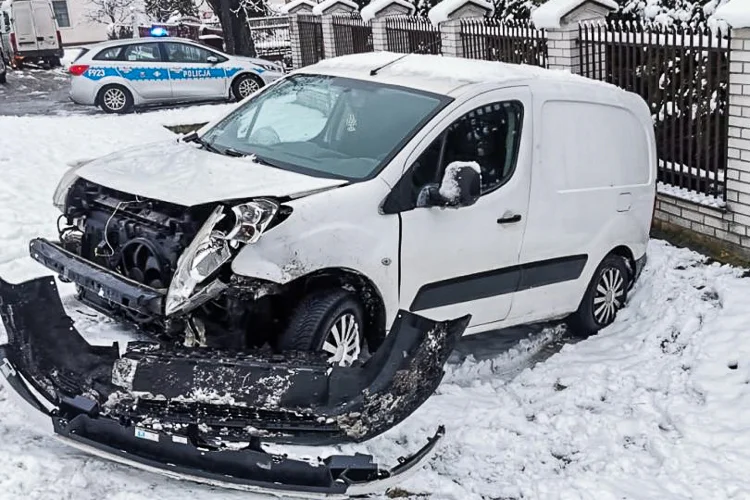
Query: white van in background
[29, 32]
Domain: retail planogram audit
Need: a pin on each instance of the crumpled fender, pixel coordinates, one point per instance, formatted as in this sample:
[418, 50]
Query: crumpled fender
[204, 398]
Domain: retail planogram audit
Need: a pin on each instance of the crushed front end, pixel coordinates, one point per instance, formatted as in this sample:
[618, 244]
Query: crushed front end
[206, 414]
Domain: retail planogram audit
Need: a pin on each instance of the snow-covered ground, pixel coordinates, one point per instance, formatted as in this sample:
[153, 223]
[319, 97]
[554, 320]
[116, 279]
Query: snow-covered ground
[654, 407]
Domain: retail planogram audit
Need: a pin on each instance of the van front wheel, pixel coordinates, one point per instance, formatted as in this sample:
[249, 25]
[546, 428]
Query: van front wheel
[328, 321]
[604, 297]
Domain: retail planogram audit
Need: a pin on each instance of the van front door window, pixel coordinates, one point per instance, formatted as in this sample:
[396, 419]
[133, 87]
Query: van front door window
[488, 135]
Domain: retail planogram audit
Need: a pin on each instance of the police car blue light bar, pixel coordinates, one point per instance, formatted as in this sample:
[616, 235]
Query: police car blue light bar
[159, 31]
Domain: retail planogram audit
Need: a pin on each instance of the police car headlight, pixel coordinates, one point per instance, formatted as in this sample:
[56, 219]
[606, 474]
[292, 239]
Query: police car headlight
[205, 255]
[251, 219]
[69, 178]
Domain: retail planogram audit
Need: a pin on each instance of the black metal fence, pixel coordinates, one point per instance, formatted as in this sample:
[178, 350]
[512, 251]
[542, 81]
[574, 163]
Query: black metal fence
[683, 74]
[412, 35]
[271, 38]
[351, 34]
[311, 38]
[507, 41]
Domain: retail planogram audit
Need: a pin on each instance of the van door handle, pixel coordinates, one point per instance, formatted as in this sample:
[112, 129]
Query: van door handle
[509, 219]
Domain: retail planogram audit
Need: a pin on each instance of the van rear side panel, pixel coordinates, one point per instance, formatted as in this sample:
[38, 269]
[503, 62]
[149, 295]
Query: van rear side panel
[592, 182]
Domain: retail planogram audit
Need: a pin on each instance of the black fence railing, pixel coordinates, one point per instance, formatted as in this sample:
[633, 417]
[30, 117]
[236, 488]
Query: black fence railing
[683, 74]
[412, 35]
[507, 41]
[351, 34]
[311, 38]
[271, 38]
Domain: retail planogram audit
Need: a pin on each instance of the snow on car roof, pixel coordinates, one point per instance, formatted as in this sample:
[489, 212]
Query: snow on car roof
[439, 74]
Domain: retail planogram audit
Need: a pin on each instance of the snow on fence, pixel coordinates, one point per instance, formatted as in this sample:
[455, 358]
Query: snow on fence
[412, 34]
[351, 34]
[507, 41]
[683, 74]
[271, 37]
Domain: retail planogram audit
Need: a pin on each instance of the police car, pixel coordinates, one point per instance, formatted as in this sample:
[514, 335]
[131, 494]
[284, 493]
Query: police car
[120, 75]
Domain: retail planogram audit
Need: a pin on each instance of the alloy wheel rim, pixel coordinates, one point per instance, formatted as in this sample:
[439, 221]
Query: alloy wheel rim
[114, 99]
[247, 87]
[609, 296]
[342, 342]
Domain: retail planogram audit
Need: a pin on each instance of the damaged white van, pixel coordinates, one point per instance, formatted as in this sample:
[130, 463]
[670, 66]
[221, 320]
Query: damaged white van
[327, 210]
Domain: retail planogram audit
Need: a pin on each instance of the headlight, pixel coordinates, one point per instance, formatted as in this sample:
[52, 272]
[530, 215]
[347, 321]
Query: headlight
[66, 182]
[251, 219]
[210, 250]
[205, 255]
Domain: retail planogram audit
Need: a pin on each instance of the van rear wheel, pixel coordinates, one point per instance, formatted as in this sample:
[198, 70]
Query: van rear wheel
[604, 297]
[115, 99]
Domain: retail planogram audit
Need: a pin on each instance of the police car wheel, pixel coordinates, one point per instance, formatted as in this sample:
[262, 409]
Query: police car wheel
[115, 99]
[245, 85]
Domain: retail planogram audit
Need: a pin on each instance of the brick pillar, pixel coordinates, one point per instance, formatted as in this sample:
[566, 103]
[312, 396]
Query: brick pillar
[738, 164]
[563, 51]
[451, 41]
[329, 37]
[295, 42]
[561, 24]
[377, 21]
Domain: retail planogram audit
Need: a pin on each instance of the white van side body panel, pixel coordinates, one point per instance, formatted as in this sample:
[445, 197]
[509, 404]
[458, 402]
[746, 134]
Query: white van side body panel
[343, 229]
[593, 187]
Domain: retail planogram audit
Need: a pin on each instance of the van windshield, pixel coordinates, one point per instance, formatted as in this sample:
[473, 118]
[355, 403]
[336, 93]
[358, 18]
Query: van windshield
[326, 126]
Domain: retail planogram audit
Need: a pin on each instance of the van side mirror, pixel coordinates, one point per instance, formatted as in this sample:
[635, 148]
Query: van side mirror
[460, 187]
[212, 59]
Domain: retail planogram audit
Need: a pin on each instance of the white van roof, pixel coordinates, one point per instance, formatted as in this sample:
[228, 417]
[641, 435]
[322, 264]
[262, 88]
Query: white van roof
[443, 74]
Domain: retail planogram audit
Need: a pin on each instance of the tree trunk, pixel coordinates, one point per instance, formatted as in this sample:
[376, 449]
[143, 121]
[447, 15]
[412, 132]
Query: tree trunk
[237, 39]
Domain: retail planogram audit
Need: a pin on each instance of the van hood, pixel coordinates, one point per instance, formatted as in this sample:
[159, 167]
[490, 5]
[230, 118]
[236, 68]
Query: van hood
[183, 174]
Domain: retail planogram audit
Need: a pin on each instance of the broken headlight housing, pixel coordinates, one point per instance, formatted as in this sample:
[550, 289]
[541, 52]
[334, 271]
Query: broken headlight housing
[63, 187]
[210, 249]
[251, 219]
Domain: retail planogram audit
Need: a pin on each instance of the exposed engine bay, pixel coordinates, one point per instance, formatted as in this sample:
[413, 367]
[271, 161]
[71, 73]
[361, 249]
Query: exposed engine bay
[143, 240]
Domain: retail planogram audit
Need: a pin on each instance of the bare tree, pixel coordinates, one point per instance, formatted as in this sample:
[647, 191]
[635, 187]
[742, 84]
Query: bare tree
[233, 15]
[111, 11]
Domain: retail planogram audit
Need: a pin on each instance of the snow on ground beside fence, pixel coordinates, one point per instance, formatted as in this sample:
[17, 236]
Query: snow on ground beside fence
[651, 408]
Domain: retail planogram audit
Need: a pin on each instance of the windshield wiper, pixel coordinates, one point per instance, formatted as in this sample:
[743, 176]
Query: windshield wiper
[193, 137]
[234, 153]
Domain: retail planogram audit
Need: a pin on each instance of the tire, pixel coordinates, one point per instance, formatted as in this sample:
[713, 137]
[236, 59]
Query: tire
[316, 320]
[244, 85]
[115, 99]
[3, 77]
[605, 296]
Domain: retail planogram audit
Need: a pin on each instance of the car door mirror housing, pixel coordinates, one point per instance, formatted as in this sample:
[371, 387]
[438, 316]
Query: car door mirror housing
[461, 186]
[212, 59]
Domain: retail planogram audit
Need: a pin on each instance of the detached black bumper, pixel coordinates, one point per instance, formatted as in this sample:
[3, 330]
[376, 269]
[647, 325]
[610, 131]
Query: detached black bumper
[94, 279]
[148, 407]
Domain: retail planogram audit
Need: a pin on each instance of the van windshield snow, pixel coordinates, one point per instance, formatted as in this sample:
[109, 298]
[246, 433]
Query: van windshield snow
[326, 126]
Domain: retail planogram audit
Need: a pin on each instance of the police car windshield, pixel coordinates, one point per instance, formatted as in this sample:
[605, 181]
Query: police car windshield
[326, 126]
